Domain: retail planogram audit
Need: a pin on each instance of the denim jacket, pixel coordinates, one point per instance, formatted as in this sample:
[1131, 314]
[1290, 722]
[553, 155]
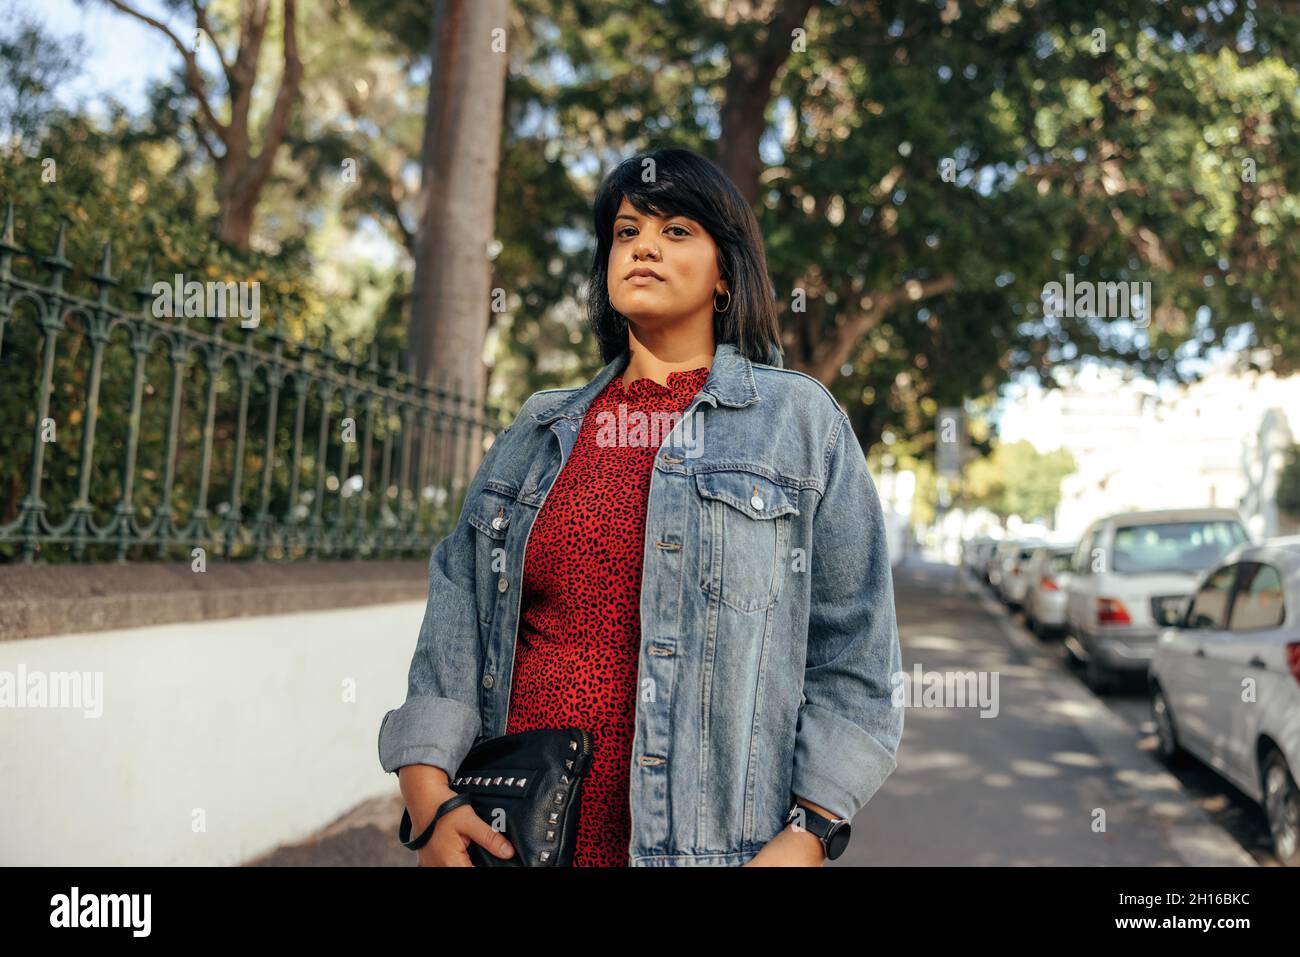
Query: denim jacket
[768, 637]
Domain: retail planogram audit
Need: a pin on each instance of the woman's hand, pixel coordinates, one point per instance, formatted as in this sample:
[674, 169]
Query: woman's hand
[790, 848]
[449, 844]
[424, 789]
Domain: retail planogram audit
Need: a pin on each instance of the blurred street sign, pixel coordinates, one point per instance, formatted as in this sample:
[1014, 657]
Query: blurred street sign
[950, 442]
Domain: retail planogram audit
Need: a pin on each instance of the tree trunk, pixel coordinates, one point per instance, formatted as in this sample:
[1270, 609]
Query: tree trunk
[450, 296]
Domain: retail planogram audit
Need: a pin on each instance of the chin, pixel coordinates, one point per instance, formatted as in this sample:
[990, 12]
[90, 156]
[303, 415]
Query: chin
[643, 316]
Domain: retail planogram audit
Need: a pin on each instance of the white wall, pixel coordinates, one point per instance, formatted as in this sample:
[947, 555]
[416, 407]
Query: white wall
[243, 718]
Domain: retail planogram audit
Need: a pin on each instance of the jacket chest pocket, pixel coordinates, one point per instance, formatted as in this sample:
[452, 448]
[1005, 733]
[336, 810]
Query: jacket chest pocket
[491, 516]
[744, 530]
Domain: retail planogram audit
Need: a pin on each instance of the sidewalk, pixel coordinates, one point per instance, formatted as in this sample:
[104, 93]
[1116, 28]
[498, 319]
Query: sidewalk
[1028, 786]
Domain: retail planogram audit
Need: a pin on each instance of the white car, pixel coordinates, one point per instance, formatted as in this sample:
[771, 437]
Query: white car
[971, 551]
[1047, 575]
[1129, 577]
[1225, 683]
[1014, 580]
[994, 573]
[983, 558]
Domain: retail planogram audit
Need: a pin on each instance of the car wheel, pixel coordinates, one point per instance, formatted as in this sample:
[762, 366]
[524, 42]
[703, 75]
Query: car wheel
[1282, 804]
[1167, 747]
[1097, 675]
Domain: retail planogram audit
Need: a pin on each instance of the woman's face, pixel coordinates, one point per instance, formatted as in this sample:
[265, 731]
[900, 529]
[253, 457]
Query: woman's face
[683, 257]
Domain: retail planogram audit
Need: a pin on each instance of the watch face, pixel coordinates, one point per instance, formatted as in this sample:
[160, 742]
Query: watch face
[837, 840]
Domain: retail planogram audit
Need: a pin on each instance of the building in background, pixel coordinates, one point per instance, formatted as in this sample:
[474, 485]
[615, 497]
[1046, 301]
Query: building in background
[1220, 441]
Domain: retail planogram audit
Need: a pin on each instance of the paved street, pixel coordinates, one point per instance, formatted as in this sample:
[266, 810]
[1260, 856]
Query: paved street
[1023, 787]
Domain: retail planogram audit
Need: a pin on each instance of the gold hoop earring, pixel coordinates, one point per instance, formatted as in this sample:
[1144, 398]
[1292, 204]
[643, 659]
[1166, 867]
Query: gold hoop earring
[715, 302]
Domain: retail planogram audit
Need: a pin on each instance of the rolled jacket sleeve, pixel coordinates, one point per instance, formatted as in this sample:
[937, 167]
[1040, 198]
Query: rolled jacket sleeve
[849, 728]
[440, 719]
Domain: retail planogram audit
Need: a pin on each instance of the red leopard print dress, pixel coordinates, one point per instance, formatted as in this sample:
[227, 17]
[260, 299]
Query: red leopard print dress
[580, 613]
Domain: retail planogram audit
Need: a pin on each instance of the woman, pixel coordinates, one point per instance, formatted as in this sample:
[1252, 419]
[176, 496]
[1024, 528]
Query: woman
[686, 557]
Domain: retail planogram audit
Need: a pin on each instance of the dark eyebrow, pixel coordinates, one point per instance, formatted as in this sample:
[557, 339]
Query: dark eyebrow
[637, 219]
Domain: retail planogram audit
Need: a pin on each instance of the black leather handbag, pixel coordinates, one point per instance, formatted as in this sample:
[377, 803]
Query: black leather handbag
[530, 782]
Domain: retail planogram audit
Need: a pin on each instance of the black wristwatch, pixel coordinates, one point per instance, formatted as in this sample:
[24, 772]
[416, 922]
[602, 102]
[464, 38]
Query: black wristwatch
[833, 831]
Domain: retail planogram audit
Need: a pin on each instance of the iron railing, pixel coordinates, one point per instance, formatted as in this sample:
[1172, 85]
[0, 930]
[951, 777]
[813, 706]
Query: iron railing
[189, 439]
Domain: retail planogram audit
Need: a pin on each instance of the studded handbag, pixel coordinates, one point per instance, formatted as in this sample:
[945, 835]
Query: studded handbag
[529, 786]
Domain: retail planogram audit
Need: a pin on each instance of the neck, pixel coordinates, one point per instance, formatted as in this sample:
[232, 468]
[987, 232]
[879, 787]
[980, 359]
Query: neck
[655, 359]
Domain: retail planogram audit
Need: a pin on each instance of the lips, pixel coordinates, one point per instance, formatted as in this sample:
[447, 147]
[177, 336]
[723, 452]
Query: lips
[643, 271]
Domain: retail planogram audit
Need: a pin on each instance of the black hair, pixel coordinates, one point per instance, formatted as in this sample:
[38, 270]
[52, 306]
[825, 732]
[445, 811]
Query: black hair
[683, 183]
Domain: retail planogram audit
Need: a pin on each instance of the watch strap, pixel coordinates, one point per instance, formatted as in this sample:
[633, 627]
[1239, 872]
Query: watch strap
[817, 824]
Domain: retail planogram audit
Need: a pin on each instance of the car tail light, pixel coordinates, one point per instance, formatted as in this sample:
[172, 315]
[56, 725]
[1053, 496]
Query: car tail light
[1047, 584]
[1111, 611]
[1293, 659]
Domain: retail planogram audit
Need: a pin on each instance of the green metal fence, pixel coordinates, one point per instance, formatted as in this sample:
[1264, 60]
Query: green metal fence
[126, 436]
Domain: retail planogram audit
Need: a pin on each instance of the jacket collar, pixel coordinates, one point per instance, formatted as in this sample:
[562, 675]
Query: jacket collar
[730, 382]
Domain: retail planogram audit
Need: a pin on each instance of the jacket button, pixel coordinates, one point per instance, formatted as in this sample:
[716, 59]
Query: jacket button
[488, 681]
[502, 583]
[757, 502]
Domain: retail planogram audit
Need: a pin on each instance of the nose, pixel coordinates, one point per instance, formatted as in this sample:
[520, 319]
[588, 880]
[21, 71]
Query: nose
[643, 252]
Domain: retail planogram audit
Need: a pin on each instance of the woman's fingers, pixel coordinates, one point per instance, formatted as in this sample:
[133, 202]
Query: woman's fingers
[483, 834]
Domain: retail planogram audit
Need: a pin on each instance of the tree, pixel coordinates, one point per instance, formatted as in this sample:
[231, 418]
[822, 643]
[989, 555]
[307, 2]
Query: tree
[450, 298]
[244, 160]
[32, 66]
[926, 169]
[1017, 479]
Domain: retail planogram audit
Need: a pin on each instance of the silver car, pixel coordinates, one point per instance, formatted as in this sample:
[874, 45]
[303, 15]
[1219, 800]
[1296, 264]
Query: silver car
[1047, 576]
[1225, 682]
[1129, 577]
[1014, 581]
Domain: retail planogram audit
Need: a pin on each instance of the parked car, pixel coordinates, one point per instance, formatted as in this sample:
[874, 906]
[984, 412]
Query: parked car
[974, 554]
[1225, 682]
[1047, 576]
[984, 558]
[997, 560]
[1129, 577]
[1014, 579]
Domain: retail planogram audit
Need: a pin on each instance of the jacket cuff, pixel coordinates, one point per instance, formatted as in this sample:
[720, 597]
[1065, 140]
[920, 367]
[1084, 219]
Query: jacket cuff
[428, 730]
[837, 764]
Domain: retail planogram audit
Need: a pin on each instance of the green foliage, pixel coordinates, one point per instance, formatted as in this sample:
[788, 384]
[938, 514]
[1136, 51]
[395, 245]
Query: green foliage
[1017, 479]
[100, 186]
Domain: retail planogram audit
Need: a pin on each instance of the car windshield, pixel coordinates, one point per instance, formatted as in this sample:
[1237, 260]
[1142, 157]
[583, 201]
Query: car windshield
[1060, 561]
[1175, 546]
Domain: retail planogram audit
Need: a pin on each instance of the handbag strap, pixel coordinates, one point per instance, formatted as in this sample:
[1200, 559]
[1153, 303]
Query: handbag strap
[404, 830]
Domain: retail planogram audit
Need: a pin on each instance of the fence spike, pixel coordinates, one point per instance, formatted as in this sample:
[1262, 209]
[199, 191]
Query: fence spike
[105, 275]
[57, 261]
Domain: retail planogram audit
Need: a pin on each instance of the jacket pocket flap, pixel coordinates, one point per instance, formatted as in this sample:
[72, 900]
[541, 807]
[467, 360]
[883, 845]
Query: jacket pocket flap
[756, 496]
[491, 514]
